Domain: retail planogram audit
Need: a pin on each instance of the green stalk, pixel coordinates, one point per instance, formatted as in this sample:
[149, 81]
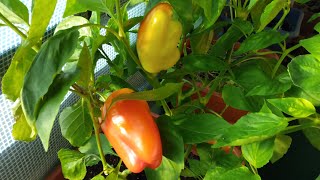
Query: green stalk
[285, 13]
[296, 128]
[13, 27]
[284, 54]
[119, 17]
[188, 150]
[106, 167]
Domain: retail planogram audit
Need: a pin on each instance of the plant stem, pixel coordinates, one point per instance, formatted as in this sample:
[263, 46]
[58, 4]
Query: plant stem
[119, 17]
[254, 170]
[12, 26]
[188, 150]
[213, 87]
[284, 54]
[296, 128]
[285, 13]
[106, 167]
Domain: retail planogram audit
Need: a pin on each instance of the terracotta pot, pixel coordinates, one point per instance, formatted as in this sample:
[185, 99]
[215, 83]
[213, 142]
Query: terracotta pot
[230, 114]
[217, 105]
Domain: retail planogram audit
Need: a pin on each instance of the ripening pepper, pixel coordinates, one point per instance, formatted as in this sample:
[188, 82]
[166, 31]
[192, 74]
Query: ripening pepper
[132, 132]
[158, 37]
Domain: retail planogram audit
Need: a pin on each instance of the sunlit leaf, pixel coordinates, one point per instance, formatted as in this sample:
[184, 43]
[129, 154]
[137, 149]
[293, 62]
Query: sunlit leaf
[72, 164]
[259, 153]
[271, 11]
[281, 146]
[296, 107]
[74, 21]
[251, 128]
[303, 70]
[15, 11]
[42, 12]
[12, 81]
[21, 130]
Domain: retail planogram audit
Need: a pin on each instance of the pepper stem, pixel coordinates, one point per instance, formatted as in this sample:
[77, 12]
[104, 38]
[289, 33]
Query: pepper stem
[106, 167]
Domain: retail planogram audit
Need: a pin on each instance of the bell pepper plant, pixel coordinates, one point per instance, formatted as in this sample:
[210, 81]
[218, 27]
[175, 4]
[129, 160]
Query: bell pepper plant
[194, 55]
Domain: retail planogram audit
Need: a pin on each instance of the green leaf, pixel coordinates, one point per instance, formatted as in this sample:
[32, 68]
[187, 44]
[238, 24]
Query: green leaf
[199, 168]
[257, 11]
[91, 159]
[260, 40]
[200, 128]
[234, 33]
[50, 104]
[216, 9]
[151, 95]
[250, 75]
[270, 87]
[46, 65]
[219, 173]
[302, 1]
[85, 65]
[281, 146]
[297, 92]
[73, 21]
[112, 176]
[98, 177]
[130, 23]
[259, 153]
[296, 107]
[12, 81]
[15, 11]
[252, 3]
[203, 63]
[318, 178]
[21, 130]
[183, 9]
[218, 157]
[311, 45]
[269, 108]
[172, 142]
[234, 97]
[207, 7]
[90, 147]
[312, 134]
[72, 164]
[112, 82]
[303, 70]
[78, 6]
[201, 43]
[76, 124]
[314, 17]
[42, 12]
[251, 128]
[167, 169]
[317, 27]
[271, 11]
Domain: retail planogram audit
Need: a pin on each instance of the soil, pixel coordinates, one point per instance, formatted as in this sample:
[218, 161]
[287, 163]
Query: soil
[113, 160]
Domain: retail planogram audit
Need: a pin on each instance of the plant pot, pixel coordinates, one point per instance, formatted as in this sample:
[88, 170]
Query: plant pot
[217, 104]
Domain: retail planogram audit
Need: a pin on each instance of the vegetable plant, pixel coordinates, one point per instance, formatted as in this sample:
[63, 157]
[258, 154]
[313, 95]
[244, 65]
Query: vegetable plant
[192, 54]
